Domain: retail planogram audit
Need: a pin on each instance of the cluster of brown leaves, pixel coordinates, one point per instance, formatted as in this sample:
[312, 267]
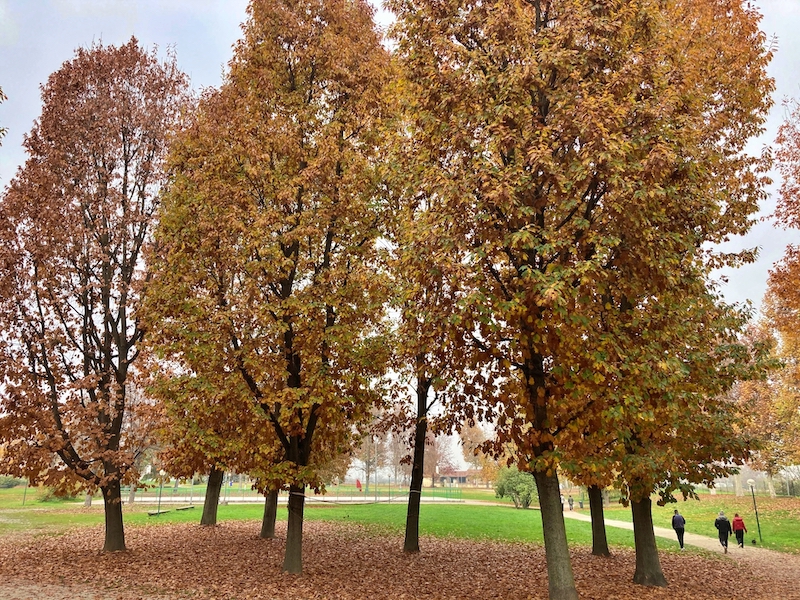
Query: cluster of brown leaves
[231, 562]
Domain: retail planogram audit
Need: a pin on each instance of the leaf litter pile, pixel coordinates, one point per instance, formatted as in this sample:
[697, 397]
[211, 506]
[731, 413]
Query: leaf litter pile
[344, 562]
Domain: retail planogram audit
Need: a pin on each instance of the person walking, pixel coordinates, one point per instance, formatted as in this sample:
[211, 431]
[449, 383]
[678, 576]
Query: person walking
[571, 502]
[724, 528]
[739, 529]
[679, 525]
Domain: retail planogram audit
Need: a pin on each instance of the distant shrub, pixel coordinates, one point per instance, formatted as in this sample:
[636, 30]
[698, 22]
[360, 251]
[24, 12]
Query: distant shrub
[53, 495]
[520, 487]
[7, 481]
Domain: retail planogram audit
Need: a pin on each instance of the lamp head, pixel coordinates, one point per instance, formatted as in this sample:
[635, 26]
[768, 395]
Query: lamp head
[751, 482]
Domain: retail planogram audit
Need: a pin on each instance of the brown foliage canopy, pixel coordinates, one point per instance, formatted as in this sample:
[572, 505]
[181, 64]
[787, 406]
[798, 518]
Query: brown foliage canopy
[782, 301]
[72, 226]
[268, 289]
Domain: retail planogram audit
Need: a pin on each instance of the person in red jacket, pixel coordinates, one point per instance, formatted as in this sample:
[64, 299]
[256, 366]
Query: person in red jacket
[739, 529]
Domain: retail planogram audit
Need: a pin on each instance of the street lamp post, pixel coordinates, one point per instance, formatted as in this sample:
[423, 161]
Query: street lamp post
[751, 483]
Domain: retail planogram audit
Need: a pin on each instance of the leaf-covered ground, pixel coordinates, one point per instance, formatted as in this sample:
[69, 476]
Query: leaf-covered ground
[230, 562]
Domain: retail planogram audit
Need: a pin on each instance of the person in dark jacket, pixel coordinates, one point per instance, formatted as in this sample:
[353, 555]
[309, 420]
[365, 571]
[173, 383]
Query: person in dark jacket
[724, 528]
[739, 529]
[679, 525]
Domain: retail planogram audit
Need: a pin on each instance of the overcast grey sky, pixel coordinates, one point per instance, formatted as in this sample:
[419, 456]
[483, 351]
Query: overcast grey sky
[37, 36]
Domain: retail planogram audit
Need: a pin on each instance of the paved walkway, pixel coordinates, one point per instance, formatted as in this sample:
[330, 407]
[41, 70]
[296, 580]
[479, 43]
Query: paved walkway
[692, 539]
[782, 568]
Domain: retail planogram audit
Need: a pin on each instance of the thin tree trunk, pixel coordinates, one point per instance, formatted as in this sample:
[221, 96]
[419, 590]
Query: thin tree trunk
[87, 501]
[599, 540]
[115, 532]
[411, 543]
[212, 497]
[648, 565]
[132, 494]
[293, 558]
[561, 580]
[270, 514]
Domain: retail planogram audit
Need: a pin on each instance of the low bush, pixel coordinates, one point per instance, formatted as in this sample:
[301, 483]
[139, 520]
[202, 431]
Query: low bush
[7, 481]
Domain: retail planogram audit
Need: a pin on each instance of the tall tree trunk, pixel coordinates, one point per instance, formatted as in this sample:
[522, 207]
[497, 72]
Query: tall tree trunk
[648, 565]
[599, 540]
[293, 558]
[212, 496]
[132, 494]
[411, 543]
[270, 514]
[561, 580]
[115, 532]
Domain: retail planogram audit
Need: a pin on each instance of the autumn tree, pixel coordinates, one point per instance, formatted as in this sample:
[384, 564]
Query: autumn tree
[398, 456]
[372, 455]
[73, 223]
[472, 438]
[205, 428]
[140, 426]
[436, 390]
[268, 266]
[439, 458]
[782, 305]
[767, 402]
[705, 434]
[555, 150]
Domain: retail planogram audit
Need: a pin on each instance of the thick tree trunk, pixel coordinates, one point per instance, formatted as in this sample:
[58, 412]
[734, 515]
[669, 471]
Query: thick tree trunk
[648, 565]
[561, 580]
[212, 497]
[599, 540]
[293, 559]
[270, 514]
[87, 501]
[411, 543]
[115, 532]
[132, 494]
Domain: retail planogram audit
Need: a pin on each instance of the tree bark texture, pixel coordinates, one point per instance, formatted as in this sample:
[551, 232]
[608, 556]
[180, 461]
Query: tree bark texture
[561, 580]
[599, 540]
[648, 566]
[293, 558]
[270, 514]
[115, 532]
[212, 497]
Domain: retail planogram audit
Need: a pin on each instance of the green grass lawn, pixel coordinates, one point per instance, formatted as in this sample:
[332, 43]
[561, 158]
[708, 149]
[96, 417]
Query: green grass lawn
[502, 523]
[780, 517]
